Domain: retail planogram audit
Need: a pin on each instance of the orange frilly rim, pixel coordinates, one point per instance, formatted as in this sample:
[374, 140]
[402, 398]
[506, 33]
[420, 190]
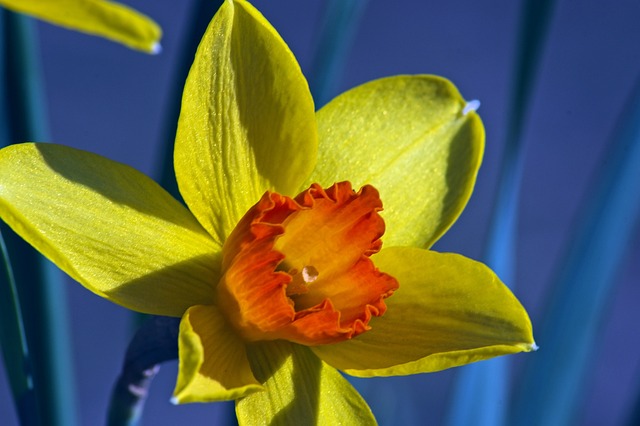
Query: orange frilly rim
[299, 268]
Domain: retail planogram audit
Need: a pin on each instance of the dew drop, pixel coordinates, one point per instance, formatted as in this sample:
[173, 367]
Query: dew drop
[309, 274]
[471, 106]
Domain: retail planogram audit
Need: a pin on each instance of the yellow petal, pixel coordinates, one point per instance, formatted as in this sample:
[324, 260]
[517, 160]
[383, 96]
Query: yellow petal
[448, 311]
[109, 227]
[411, 138]
[213, 360]
[247, 122]
[300, 390]
[103, 18]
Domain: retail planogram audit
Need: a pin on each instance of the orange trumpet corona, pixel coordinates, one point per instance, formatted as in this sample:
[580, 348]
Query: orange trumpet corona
[299, 269]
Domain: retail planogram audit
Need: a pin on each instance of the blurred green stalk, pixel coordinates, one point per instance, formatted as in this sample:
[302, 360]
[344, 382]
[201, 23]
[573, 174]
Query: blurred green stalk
[634, 415]
[201, 14]
[14, 344]
[126, 408]
[553, 384]
[155, 342]
[335, 37]
[481, 391]
[39, 284]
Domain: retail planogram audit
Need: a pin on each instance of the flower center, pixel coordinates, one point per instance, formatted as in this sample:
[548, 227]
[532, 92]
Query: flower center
[299, 269]
[301, 280]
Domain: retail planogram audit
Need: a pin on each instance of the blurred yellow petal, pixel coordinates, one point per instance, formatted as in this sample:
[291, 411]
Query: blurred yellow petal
[109, 227]
[411, 138]
[247, 122]
[448, 311]
[300, 390]
[107, 19]
[213, 359]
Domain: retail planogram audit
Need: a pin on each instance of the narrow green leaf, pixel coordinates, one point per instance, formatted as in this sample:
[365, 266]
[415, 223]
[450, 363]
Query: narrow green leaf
[155, 342]
[201, 13]
[39, 284]
[14, 344]
[634, 415]
[13, 341]
[481, 389]
[199, 17]
[552, 388]
[338, 28]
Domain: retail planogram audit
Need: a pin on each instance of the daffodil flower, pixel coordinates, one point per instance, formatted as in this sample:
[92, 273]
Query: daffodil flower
[107, 19]
[277, 267]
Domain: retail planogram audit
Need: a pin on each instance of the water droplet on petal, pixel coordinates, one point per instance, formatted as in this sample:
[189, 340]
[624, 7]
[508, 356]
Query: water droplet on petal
[309, 274]
[471, 106]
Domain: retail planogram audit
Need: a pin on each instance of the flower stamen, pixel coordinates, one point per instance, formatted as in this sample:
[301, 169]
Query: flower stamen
[300, 280]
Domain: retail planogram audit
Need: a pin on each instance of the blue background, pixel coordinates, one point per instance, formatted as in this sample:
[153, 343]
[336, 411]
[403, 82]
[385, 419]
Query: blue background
[110, 100]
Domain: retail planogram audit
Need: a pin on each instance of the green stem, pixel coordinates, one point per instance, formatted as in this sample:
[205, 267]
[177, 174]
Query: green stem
[201, 15]
[336, 35]
[481, 389]
[634, 415]
[154, 343]
[14, 344]
[552, 386]
[39, 284]
[126, 407]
